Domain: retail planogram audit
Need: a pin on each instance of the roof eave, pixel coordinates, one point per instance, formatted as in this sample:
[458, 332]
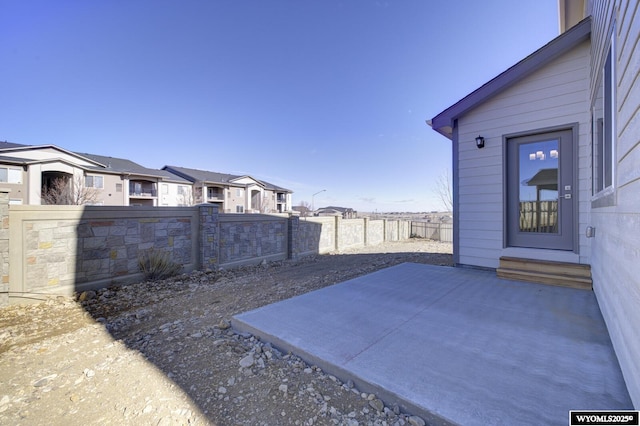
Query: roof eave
[443, 122]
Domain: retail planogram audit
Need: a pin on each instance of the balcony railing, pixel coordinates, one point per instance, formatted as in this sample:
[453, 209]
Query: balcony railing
[138, 190]
[143, 193]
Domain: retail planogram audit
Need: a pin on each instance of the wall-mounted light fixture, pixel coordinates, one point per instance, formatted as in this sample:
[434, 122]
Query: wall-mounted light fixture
[480, 142]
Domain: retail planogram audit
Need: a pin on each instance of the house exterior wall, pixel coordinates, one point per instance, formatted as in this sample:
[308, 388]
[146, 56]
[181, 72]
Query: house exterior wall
[34, 179]
[237, 196]
[18, 192]
[109, 195]
[615, 253]
[553, 96]
[169, 194]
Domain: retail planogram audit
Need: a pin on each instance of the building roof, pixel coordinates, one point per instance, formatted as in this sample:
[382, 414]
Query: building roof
[443, 123]
[544, 179]
[124, 166]
[115, 165]
[103, 164]
[337, 209]
[7, 145]
[195, 175]
[15, 160]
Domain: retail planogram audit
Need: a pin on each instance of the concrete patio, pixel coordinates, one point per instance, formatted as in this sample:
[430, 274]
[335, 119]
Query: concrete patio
[454, 345]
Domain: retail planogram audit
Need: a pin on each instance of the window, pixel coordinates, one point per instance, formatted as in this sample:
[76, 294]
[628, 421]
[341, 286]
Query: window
[165, 189]
[10, 175]
[182, 190]
[94, 182]
[118, 187]
[239, 209]
[603, 122]
[238, 192]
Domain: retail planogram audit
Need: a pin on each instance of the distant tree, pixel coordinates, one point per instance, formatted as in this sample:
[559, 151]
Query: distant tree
[265, 204]
[65, 191]
[304, 208]
[443, 190]
[185, 196]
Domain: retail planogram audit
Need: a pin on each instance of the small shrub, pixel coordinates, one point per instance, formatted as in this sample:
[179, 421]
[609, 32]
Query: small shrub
[156, 265]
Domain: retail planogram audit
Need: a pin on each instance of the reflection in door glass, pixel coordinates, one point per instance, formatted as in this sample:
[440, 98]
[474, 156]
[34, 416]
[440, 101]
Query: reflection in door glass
[538, 193]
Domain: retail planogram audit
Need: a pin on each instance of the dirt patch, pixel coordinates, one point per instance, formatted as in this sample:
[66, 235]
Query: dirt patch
[162, 353]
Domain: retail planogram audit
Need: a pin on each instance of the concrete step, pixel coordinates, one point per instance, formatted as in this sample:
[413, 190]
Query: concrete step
[546, 272]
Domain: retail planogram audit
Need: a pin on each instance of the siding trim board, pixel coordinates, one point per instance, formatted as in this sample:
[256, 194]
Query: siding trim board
[456, 195]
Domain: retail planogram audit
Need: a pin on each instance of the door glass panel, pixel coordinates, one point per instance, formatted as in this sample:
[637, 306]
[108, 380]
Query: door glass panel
[538, 190]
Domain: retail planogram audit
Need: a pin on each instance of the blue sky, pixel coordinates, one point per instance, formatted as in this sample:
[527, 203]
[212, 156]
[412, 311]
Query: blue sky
[308, 95]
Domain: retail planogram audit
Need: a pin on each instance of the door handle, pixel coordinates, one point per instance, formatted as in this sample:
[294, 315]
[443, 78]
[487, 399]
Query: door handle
[567, 196]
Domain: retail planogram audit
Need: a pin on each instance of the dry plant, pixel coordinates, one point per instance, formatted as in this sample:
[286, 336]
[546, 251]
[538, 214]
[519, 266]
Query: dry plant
[156, 264]
[64, 191]
[304, 208]
[265, 204]
[442, 189]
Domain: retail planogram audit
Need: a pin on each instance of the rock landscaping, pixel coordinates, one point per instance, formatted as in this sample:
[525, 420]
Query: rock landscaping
[163, 353]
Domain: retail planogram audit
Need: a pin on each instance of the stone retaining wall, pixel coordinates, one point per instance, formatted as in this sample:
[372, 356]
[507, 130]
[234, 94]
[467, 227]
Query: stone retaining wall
[62, 249]
[59, 250]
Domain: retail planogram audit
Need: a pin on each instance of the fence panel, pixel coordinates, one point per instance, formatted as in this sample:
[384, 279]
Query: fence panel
[433, 231]
[539, 216]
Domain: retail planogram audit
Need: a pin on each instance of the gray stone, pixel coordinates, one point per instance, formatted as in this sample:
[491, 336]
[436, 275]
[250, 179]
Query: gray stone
[87, 295]
[247, 361]
[416, 421]
[377, 404]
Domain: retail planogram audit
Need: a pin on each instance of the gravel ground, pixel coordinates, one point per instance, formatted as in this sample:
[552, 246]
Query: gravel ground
[162, 353]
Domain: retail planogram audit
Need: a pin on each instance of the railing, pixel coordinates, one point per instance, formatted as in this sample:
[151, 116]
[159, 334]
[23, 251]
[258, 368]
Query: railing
[143, 193]
[539, 216]
[433, 231]
[138, 189]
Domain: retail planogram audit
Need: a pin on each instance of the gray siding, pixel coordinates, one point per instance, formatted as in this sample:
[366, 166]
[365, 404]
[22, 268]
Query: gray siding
[556, 95]
[615, 253]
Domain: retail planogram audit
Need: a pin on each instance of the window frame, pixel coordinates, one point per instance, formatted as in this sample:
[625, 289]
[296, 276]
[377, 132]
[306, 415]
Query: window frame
[604, 131]
[93, 181]
[8, 172]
